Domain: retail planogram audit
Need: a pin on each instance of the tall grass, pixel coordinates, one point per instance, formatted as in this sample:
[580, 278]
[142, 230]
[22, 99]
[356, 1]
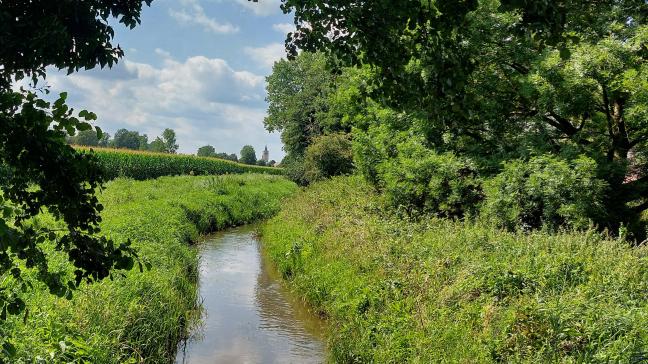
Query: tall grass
[437, 291]
[140, 317]
[141, 165]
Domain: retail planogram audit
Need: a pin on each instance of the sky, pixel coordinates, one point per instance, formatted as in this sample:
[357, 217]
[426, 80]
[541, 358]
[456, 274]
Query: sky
[195, 66]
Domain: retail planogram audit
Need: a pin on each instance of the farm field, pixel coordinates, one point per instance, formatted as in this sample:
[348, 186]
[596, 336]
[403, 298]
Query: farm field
[443, 291]
[139, 316]
[141, 165]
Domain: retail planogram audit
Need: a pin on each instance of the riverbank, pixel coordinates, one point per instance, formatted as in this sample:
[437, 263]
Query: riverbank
[140, 317]
[441, 291]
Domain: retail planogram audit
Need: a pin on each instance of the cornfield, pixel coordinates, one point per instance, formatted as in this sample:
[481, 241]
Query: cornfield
[142, 165]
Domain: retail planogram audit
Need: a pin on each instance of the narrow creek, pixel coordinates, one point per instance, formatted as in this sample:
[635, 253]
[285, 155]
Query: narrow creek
[248, 315]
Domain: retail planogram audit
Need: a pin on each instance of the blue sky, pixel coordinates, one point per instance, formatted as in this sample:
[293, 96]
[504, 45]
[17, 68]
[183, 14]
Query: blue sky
[196, 66]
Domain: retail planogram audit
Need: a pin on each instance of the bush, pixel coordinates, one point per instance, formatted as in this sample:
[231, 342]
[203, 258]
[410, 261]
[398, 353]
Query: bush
[546, 191]
[293, 166]
[420, 180]
[328, 156]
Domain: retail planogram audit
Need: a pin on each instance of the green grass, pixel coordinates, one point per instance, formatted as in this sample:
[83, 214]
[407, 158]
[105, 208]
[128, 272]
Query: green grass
[141, 165]
[139, 317]
[443, 291]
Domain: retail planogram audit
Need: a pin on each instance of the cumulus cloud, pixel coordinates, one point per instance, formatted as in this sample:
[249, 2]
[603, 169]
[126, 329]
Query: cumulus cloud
[204, 100]
[193, 13]
[266, 56]
[262, 7]
[284, 28]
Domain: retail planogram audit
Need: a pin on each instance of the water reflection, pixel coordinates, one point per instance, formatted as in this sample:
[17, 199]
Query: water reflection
[249, 317]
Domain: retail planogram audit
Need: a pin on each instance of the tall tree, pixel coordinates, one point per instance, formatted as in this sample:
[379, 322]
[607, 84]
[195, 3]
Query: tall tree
[501, 80]
[127, 139]
[158, 146]
[248, 155]
[298, 92]
[169, 138]
[206, 151]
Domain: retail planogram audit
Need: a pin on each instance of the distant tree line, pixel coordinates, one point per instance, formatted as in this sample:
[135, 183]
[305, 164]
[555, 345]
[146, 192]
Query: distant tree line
[127, 139]
[248, 155]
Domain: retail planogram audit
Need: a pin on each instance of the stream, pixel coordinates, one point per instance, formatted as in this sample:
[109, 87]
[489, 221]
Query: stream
[248, 315]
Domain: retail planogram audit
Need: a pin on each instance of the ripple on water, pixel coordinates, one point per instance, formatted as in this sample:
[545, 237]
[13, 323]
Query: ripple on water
[248, 317]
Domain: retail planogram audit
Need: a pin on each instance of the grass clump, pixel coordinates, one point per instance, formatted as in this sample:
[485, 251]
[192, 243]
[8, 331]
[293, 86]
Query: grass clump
[139, 317]
[436, 290]
[142, 165]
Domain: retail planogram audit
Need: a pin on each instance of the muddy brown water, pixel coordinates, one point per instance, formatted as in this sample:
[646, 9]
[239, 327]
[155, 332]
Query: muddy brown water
[248, 315]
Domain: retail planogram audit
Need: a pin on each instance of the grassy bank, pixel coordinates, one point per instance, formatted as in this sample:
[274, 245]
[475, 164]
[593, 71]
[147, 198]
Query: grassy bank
[443, 291]
[141, 165]
[140, 316]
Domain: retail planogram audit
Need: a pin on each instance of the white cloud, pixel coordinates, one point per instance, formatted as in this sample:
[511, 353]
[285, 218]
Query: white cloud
[268, 55]
[204, 100]
[284, 28]
[193, 13]
[262, 7]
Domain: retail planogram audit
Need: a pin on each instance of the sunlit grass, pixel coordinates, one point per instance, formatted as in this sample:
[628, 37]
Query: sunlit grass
[458, 292]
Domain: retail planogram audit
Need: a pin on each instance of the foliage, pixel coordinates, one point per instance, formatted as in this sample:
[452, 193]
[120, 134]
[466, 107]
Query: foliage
[420, 180]
[294, 169]
[491, 80]
[328, 156]
[169, 138]
[546, 191]
[43, 173]
[206, 151]
[138, 316]
[248, 155]
[157, 146]
[89, 138]
[147, 165]
[440, 290]
[297, 100]
[49, 175]
[128, 139]
[45, 33]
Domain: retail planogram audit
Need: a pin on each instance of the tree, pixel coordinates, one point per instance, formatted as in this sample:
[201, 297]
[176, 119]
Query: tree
[158, 146]
[248, 155]
[127, 139]
[41, 170]
[169, 138]
[85, 138]
[143, 142]
[497, 81]
[298, 92]
[206, 151]
[105, 140]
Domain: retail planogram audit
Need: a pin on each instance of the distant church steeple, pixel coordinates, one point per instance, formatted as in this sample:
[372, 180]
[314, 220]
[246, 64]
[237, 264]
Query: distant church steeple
[266, 155]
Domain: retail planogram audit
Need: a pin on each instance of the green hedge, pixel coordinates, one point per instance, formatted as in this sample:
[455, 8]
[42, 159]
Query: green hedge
[146, 165]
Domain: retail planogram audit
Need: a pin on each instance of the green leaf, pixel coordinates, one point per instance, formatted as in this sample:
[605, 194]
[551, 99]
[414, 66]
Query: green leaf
[84, 127]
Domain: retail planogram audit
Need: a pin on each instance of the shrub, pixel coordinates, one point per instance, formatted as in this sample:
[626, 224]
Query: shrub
[328, 156]
[420, 180]
[293, 166]
[545, 191]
